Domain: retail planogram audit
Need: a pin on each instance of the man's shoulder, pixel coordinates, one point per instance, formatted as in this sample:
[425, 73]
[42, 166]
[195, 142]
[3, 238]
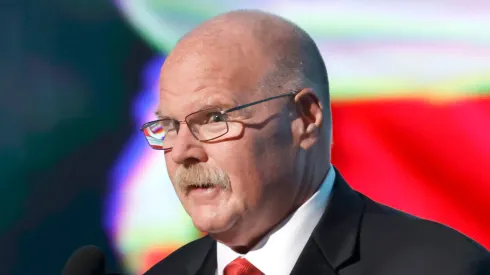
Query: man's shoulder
[179, 260]
[397, 235]
[394, 224]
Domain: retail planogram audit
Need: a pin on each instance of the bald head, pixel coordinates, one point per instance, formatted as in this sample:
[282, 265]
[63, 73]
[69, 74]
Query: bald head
[285, 55]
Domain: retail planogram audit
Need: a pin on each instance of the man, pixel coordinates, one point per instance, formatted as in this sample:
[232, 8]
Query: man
[244, 122]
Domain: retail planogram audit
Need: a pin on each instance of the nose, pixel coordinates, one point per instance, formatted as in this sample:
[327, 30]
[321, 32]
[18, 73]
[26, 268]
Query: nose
[187, 149]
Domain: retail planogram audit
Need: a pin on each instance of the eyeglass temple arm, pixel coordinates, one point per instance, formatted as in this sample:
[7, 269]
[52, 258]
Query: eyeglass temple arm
[258, 102]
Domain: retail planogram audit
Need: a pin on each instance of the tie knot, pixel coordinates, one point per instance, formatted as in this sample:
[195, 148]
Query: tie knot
[241, 266]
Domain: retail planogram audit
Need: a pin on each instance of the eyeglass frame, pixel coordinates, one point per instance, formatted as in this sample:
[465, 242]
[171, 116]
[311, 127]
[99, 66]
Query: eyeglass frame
[222, 112]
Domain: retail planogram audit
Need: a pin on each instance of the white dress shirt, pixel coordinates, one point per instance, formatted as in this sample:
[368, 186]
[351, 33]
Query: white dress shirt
[277, 253]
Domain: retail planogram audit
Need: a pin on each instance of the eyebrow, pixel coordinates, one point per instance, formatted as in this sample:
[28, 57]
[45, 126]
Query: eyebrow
[223, 103]
[214, 103]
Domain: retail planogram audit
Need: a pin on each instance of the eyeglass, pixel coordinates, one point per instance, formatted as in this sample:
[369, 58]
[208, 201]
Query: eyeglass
[205, 125]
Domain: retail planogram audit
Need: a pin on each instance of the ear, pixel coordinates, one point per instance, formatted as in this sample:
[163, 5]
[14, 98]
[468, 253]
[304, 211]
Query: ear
[310, 112]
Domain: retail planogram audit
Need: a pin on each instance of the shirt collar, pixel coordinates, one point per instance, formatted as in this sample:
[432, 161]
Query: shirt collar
[277, 253]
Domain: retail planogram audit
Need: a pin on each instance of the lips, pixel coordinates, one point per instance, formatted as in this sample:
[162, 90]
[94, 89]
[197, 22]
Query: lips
[203, 185]
[203, 192]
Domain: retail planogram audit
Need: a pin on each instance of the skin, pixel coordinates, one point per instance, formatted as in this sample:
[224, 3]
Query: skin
[281, 155]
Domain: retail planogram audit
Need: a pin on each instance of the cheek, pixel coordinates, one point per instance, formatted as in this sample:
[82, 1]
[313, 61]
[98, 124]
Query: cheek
[257, 154]
[240, 161]
[275, 154]
[232, 157]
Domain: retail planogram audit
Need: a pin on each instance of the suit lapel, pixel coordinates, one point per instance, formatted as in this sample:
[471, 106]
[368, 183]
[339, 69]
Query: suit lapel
[209, 264]
[333, 244]
[203, 258]
[312, 261]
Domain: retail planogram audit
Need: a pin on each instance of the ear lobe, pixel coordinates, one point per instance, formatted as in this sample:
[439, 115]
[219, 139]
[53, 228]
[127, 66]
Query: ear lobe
[310, 136]
[310, 129]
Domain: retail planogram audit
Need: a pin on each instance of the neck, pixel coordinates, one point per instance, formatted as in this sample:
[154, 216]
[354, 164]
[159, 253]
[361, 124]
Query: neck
[315, 170]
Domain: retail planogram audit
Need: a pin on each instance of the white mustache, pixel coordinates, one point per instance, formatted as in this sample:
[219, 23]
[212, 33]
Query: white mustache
[198, 175]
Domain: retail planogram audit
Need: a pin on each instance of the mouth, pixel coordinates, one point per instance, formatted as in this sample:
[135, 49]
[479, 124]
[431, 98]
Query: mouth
[204, 191]
[200, 186]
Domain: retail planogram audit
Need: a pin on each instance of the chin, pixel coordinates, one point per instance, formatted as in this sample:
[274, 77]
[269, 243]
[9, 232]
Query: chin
[212, 222]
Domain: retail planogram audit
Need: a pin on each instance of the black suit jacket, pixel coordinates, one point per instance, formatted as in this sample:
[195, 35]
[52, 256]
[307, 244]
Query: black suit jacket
[357, 236]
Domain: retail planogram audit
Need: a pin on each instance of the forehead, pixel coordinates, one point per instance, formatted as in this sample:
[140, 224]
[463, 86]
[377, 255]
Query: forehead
[198, 79]
[176, 106]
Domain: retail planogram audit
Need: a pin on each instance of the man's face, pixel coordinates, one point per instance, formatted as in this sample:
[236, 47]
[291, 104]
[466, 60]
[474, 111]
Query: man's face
[241, 180]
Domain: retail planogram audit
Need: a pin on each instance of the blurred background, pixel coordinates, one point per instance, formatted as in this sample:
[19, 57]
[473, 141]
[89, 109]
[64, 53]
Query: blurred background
[410, 84]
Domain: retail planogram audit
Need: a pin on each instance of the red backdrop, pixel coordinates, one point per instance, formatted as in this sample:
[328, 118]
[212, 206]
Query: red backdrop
[431, 160]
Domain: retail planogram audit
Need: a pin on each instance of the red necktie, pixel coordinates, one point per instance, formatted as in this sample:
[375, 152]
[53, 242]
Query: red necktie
[240, 266]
